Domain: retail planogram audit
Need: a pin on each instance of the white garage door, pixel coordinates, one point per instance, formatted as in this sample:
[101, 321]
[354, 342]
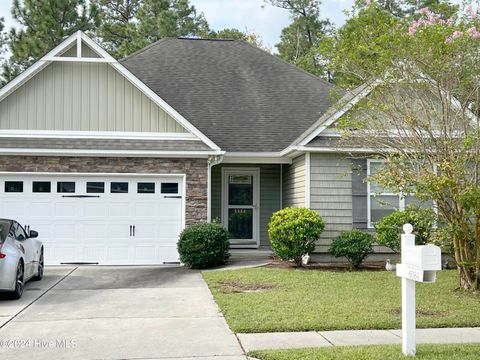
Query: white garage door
[112, 220]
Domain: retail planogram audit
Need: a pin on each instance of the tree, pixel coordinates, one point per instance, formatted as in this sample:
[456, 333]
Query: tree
[363, 46]
[421, 119]
[405, 8]
[130, 25]
[305, 32]
[118, 25]
[235, 34]
[44, 25]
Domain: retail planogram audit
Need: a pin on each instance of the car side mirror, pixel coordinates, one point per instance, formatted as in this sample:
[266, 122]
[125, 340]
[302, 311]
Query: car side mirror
[33, 234]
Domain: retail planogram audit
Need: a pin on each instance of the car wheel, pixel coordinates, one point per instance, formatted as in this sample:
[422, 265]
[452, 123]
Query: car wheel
[19, 282]
[39, 275]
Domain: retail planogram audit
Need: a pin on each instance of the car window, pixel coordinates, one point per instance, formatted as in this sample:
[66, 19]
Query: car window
[4, 229]
[20, 233]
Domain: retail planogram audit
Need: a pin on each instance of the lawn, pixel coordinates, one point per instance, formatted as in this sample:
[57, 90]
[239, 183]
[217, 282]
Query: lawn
[379, 352]
[269, 300]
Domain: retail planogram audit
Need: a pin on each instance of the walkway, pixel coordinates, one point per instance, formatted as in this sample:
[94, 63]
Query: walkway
[288, 340]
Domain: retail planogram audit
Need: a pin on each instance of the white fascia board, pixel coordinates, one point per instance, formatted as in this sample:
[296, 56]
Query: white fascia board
[337, 115]
[256, 160]
[108, 153]
[36, 67]
[118, 135]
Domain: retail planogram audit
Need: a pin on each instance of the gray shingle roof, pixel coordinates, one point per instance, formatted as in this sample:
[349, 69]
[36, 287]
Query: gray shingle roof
[241, 97]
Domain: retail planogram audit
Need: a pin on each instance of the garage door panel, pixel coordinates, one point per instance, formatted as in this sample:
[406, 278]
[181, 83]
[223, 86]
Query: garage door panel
[42, 209]
[13, 208]
[94, 226]
[94, 253]
[119, 209]
[95, 208]
[66, 210]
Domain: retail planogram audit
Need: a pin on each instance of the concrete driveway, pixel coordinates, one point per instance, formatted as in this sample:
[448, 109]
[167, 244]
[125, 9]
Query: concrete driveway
[116, 313]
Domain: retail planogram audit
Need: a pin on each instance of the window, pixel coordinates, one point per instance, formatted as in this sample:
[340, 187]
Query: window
[145, 188]
[65, 187]
[383, 201]
[169, 188]
[119, 187]
[95, 187]
[20, 234]
[13, 186]
[41, 187]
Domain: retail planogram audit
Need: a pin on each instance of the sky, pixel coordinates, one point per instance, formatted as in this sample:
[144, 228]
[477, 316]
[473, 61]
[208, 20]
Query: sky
[252, 15]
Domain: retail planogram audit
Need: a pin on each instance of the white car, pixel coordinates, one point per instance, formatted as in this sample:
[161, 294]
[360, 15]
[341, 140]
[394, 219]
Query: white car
[21, 257]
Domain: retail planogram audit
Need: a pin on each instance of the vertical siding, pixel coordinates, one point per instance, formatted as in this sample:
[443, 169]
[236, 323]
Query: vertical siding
[331, 194]
[269, 194]
[82, 96]
[294, 183]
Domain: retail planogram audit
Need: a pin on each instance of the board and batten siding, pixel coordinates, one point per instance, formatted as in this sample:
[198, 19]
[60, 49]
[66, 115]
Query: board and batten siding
[293, 183]
[269, 194]
[331, 194]
[83, 97]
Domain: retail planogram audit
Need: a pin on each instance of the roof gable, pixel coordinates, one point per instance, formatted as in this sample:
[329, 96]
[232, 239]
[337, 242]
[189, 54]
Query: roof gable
[241, 97]
[79, 48]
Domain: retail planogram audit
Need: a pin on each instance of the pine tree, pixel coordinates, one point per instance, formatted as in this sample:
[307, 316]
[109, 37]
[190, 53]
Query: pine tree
[304, 34]
[44, 25]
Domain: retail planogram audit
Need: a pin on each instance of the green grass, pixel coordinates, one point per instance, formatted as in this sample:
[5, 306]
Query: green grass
[379, 352]
[322, 300]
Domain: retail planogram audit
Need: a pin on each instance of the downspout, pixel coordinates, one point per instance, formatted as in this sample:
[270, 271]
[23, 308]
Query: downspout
[212, 161]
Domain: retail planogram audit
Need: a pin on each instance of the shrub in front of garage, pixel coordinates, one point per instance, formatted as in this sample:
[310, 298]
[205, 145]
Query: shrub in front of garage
[204, 245]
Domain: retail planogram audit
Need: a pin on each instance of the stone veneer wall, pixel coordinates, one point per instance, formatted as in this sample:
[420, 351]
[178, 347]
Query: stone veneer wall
[195, 170]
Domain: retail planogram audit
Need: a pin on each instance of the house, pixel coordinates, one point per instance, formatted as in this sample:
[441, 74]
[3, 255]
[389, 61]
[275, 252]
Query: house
[109, 160]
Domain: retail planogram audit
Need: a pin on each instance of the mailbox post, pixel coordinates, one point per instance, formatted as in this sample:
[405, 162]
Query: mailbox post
[419, 263]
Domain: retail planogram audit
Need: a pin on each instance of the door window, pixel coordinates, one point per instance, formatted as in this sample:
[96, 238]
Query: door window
[65, 187]
[20, 234]
[146, 188]
[95, 187]
[13, 186]
[119, 187]
[169, 188]
[41, 187]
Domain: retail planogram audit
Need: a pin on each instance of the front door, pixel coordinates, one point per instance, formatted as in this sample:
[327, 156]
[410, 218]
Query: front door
[240, 206]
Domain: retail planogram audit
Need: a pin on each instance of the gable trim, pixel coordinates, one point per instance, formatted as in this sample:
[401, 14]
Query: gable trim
[77, 38]
[310, 135]
[66, 134]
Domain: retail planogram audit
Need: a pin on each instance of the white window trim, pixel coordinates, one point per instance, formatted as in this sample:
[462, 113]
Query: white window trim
[256, 200]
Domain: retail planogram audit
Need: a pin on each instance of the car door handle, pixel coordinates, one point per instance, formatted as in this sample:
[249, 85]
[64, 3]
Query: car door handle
[133, 230]
[130, 230]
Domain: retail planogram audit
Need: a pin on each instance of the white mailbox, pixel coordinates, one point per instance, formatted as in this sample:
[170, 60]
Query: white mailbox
[426, 257]
[419, 263]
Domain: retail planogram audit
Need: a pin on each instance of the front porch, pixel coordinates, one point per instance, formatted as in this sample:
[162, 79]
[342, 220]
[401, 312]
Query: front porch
[243, 198]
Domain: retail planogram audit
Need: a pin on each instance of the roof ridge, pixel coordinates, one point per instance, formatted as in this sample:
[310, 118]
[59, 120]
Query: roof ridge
[158, 42]
[206, 39]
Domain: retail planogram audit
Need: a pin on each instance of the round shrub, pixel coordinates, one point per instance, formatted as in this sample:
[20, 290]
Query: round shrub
[203, 245]
[355, 245]
[390, 227]
[293, 232]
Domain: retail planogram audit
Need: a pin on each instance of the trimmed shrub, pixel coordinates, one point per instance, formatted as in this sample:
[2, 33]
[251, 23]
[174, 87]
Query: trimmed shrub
[293, 232]
[390, 227]
[204, 245]
[355, 245]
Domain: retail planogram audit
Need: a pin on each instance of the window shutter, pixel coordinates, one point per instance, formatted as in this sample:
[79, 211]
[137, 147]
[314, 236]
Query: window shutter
[359, 193]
